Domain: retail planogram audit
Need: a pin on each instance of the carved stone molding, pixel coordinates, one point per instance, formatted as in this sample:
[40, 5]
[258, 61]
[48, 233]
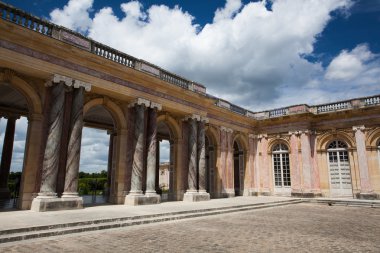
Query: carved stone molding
[195, 117]
[226, 129]
[78, 84]
[359, 128]
[156, 105]
[140, 101]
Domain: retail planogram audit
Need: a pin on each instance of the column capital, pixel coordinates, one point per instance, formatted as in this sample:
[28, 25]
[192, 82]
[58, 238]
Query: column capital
[57, 78]
[157, 106]
[195, 117]
[296, 133]
[262, 136]
[358, 128]
[204, 119]
[226, 129]
[140, 101]
[85, 85]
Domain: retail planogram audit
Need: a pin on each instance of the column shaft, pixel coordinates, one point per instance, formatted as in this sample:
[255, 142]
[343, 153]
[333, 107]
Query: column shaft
[201, 156]
[230, 161]
[306, 162]
[6, 157]
[192, 176]
[365, 185]
[52, 149]
[110, 163]
[74, 146]
[137, 167]
[152, 151]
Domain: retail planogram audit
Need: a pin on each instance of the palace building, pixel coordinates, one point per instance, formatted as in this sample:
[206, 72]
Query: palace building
[62, 81]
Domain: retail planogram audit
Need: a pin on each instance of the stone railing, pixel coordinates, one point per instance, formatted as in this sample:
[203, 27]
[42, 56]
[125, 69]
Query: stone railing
[371, 100]
[334, 107]
[278, 112]
[11, 14]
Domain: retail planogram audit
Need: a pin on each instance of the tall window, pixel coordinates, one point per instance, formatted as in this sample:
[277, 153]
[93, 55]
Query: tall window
[281, 166]
[340, 175]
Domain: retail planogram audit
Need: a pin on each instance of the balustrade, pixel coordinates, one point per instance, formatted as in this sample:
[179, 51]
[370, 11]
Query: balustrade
[333, 107]
[372, 100]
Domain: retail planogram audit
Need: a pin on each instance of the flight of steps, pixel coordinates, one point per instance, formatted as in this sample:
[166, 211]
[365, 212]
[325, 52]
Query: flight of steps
[19, 234]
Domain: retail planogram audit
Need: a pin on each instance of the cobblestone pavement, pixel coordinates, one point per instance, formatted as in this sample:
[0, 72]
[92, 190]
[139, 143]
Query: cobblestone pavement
[294, 228]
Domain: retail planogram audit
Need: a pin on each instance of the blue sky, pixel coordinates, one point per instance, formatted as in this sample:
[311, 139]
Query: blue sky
[259, 55]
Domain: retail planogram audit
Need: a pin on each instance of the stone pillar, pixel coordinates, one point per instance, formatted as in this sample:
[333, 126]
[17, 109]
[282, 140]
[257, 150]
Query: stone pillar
[222, 162]
[202, 159]
[366, 191]
[295, 175]
[265, 169]
[52, 149]
[74, 147]
[192, 175]
[136, 196]
[253, 166]
[192, 193]
[150, 194]
[306, 164]
[6, 157]
[137, 167]
[230, 191]
[47, 197]
[315, 179]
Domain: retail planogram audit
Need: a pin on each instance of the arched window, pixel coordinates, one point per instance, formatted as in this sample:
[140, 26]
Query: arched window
[339, 166]
[281, 166]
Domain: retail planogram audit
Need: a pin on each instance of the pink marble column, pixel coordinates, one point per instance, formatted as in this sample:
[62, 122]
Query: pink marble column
[265, 168]
[52, 149]
[192, 175]
[201, 156]
[74, 145]
[152, 152]
[222, 165]
[306, 162]
[254, 163]
[230, 164]
[294, 164]
[6, 157]
[315, 179]
[365, 184]
[138, 156]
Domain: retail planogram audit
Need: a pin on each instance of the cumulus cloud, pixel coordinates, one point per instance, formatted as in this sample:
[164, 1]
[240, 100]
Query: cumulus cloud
[349, 64]
[247, 54]
[74, 15]
[164, 151]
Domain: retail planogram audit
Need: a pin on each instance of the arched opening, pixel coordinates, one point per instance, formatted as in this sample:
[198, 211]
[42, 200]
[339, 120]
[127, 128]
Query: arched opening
[281, 169]
[165, 160]
[339, 169]
[13, 134]
[239, 169]
[97, 169]
[210, 167]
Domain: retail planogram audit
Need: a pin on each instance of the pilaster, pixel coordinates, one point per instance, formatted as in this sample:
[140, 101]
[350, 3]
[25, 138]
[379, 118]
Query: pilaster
[366, 190]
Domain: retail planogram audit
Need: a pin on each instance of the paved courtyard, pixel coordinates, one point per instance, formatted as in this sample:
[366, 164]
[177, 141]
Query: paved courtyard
[293, 228]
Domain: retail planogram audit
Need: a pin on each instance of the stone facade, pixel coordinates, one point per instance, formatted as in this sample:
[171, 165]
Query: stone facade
[217, 148]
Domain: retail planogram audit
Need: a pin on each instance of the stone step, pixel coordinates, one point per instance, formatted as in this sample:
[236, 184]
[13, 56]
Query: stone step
[13, 235]
[341, 202]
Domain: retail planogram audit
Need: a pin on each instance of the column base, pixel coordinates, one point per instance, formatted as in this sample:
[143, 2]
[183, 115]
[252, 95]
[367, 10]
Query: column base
[196, 196]
[265, 192]
[5, 193]
[306, 194]
[43, 204]
[228, 193]
[141, 199]
[370, 195]
[253, 192]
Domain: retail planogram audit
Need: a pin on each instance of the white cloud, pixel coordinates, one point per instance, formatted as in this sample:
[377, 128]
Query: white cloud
[229, 10]
[164, 151]
[74, 15]
[349, 65]
[247, 55]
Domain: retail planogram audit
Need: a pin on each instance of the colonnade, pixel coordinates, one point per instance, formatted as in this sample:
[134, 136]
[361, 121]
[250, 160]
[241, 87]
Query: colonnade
[133, 155]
